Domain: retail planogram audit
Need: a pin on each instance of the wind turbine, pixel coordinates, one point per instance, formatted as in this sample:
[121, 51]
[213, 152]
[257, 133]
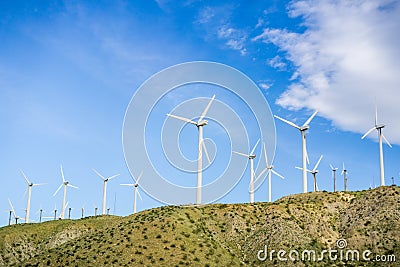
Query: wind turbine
[55, 211]
[199, 124]
[63, 184]
[302, 130]
[13, 211]
[270, 169]
[344, 173]
[69, 212]
[334, 176]
[40, 211]
[314, 172]
[251, 156]
[28, 206]
[135, 185]
[379, 128]
[9, 216]
[105, 180]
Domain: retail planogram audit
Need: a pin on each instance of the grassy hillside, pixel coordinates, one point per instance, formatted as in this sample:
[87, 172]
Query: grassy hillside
[214, 235]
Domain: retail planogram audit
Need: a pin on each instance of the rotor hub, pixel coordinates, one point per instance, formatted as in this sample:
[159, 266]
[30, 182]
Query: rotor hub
[202, 123]
[304, 128]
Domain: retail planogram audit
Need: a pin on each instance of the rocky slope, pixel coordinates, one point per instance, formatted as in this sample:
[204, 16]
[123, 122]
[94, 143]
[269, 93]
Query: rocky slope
[218, 234]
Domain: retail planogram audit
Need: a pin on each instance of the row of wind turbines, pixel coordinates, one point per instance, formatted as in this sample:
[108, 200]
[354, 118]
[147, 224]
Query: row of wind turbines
[269, 168]
[65, 183]
[201, 122]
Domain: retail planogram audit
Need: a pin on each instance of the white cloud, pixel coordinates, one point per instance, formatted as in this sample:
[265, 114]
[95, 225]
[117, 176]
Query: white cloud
[277, 63]
[346, 58]
[235, 39]
[264, 85]
[216, 22]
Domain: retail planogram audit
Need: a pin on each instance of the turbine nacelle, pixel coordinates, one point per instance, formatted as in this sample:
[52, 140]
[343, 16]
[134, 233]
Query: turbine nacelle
[304, 128]
[252, 156]
[202, 123]
[380, 126]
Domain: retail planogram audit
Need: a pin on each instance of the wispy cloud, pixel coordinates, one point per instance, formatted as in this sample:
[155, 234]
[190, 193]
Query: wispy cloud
[217, 23]
[264, 85]
[235, 39]
[277, 63]
[346, 57]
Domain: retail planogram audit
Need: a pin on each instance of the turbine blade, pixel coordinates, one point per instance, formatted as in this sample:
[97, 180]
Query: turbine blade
[62, 173]
[206, 109]
[316, 185]
[316, 165]
[112, 177]
[73, 186]
[205, 151]
[331, 167]
[260, 175]
[140, 176]
[310, 119]
[39, 184]
[307, 170]
[12, 207]
[182, 119]
[308, 160]
[387, 142]
[241, 154]
[137, 190]
[101, 176]
[26, 190]
[58, 189]
[277, 174]
[288, 122]
[376, 114]
[265, 155]
[367, 133]
[254, 148]
[26, 179]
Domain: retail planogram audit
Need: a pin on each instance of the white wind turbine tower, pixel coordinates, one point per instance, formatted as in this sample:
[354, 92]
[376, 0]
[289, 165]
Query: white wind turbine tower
[344, 173]
[28, 206]
[303, 130]
[379, 128]
[136, 192]
[105, 180]
[251, 156]
[270, 169]
[334, 176]
[199, 124]
[64, 184]
[314, 172]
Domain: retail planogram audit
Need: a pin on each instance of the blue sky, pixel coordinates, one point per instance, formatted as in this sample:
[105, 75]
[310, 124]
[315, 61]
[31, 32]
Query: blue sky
[68, 71]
